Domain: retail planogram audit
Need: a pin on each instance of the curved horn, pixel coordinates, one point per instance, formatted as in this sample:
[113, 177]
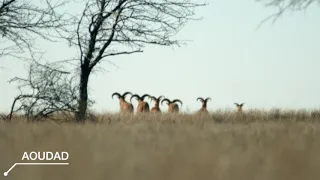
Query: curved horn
[135, 95]
[177, 100]
[144, 96]
[201, 99]
[207, 99]
[241, 104]
[159, 98]
[165, 100]
[125, 94]
[116, 94]
[152, 98]
[236, 104]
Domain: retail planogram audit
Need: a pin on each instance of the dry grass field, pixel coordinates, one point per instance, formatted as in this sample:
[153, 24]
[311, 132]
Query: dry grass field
[256, 145]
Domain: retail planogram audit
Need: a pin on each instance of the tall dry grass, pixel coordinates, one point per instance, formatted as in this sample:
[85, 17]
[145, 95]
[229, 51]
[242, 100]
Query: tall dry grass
[256, 145]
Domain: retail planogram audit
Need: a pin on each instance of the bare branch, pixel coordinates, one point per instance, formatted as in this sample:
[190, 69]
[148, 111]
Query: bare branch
[283, 6]
[22, 21]
[46, 90]
[121, 53]
[107, 27]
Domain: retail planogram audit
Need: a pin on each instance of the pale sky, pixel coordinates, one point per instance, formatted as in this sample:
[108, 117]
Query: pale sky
[276, 66]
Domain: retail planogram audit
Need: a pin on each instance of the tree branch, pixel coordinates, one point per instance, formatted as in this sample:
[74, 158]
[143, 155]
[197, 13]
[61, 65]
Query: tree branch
[283, 6]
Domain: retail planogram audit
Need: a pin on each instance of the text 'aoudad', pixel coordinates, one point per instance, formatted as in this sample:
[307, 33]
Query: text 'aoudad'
[45, 156]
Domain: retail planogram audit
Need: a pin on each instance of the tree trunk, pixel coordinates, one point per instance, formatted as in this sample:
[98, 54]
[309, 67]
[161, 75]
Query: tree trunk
[83, 96]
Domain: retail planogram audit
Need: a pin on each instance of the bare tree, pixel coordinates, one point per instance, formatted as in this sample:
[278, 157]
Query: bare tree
[109, 28]
[285, 5]
[46, 90]
[23, 20]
